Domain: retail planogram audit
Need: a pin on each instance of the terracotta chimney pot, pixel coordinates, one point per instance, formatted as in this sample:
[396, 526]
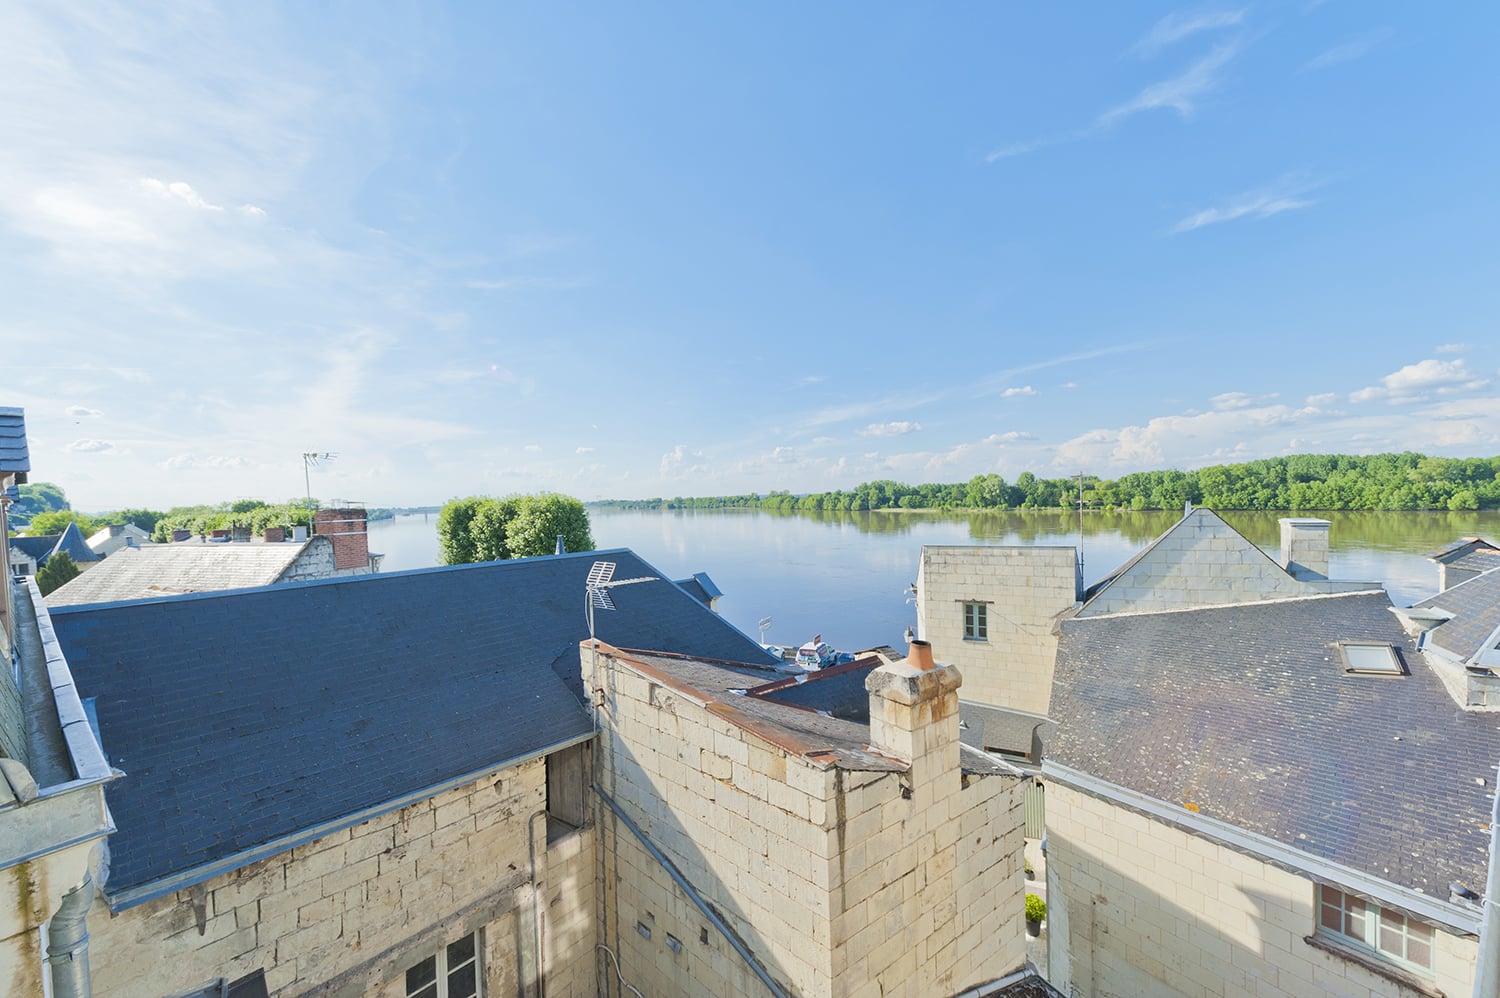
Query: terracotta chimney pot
[919, 656]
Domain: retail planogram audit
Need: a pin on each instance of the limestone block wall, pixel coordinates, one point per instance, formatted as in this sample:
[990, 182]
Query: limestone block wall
[841, 883]
[315, 561]
[347, 914]
[1202, 561]
[1137, 906]
[1025, 589]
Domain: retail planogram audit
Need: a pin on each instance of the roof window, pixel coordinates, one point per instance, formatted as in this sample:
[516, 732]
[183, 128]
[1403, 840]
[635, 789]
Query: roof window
[1370, 658]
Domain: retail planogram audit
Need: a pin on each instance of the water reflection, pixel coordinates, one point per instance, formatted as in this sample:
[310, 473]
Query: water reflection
[844, 573]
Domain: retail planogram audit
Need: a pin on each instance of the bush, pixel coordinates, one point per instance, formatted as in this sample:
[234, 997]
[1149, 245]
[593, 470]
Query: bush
[60, 568]
[1036, 908]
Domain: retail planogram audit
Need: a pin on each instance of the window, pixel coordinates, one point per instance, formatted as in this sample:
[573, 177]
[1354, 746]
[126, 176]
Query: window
[1370, 658]
[451, 972]
[1366, 926]
[976, 622]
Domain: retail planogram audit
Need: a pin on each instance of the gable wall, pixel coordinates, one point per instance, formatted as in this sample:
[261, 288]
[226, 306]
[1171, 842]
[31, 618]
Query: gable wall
[838, 884]
[347, 914]
[1137, 906]
[1201, 562]
[1026, 588]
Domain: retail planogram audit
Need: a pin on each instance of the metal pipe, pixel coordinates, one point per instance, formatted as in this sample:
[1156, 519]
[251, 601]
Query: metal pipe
[1487, 973]
[68, 942]
[697, 899]
[536, 902]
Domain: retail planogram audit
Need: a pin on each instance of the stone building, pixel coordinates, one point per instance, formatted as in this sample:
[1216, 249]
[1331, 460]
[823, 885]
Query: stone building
[822, 837]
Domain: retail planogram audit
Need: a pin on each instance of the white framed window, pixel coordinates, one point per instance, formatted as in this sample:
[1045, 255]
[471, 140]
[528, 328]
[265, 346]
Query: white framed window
[976, 622]
[451, 972]
[1370, 658]
[1364, 925]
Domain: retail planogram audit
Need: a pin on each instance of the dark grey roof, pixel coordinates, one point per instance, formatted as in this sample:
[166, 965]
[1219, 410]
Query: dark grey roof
[1475, 606]
[1244, 712]
[40, 549]
[35, 548]
[1459, 549]
[245, 719]
[15, 458]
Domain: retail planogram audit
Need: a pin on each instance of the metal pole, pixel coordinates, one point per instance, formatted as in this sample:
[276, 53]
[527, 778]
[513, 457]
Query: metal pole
[1487, 972]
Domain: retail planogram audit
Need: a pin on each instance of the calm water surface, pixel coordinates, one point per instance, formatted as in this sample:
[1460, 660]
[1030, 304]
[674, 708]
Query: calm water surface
[845, 574]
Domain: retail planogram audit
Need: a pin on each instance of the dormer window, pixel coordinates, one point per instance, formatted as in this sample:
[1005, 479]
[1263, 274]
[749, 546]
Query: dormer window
[1370, 658]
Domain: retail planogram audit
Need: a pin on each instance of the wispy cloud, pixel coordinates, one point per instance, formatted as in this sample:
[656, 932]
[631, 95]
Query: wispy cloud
[1454, 348]
[1184, 24]
[1009, 437]
[82, 412]
[1010, 393]
[1419, 381]
[583, 450]
[91, 447]
[182, 191]
[893, 429]
[1349, 51]
[1181, 93]
[1239, 400]
[1257, 204]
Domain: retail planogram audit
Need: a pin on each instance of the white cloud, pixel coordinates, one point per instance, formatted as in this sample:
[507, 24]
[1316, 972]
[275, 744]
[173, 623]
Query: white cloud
[182, 191]
[192, 462]
[82, 412]
[1416, 382]
[1068, 385]
[892, 429]
[1009, 437]
[1349, 51]
[679, 461]
[1453, 348]
[532, 448]
[1183, 24]
[251, 210]
[584, 450]
[91, 447]
[813, 379]
[1181, 93]
[1322, 399]
[1015, 392]
[1257, 204]
[1239, 400]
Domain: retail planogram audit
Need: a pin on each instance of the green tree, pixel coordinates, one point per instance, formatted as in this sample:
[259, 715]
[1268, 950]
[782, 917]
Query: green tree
[56, 521]
[59, 569]
[488, 530]
[455, 543]
[537, 522]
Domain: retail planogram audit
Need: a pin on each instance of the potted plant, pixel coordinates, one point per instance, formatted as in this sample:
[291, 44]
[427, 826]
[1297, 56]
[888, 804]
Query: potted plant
[1030, 871]
[1036, 911]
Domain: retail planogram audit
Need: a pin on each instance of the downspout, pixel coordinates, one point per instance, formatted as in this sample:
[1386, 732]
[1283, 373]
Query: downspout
[68, 942]
[536, 903]
[1487, 973]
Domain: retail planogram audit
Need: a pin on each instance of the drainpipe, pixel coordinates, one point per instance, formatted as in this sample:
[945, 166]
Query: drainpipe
[1487, 973]
[68, 943]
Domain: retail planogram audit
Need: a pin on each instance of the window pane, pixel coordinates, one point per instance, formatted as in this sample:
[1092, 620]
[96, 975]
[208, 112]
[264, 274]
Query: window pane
[461, 951]
[1419, 949]
[422, 974]
[1354, 919]
[461, 982]
[1333, 918]
[1392, 933]
[1332, 895]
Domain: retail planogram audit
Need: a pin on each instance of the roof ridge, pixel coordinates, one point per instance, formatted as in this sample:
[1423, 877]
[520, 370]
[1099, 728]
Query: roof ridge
[1295, 597]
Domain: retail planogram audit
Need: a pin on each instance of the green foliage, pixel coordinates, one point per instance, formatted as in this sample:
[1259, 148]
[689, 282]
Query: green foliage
[56, 521]
[60, 568]
[1036, 908]
[480, 528]
[254, 514]
[37, 497]
[1308, 482]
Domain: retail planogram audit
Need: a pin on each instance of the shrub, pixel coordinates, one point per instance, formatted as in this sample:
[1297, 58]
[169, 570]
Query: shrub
[1036, 908]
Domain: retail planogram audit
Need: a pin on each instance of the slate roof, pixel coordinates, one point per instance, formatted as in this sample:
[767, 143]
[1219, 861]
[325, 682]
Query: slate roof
[701, 588]
[35, 548]
[738, 693]
[15, 458]
[39, 549]
[187, 567]
[1474, 627]
[246, 721]
[1244, 711]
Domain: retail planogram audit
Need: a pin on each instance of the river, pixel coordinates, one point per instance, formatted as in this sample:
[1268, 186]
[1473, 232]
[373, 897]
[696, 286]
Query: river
[845, 574]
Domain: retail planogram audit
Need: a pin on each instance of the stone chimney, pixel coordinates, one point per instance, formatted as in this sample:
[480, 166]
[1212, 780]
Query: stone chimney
[1304, 548]
[349, 531]
[914, 716]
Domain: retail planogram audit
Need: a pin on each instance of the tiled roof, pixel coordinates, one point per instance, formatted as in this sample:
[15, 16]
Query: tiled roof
[1475, 606]
[246, 719]
[15, 459]
[35, 548]
[191, 566]
[72, 541]
[1245, 713]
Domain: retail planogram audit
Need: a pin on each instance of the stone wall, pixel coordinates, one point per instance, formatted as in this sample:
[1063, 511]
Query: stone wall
[1025, 588]
[839, 882]
[347, 914]
[1137, 906]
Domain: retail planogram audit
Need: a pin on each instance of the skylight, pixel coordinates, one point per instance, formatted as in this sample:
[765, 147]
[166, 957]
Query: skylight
[1370, 658]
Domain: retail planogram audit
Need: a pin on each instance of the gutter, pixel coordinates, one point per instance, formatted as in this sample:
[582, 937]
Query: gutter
[1424, 906]
[131, 896]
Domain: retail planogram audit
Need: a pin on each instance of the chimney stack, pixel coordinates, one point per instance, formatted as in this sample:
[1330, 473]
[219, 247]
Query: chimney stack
[1304, 548]
[914, 716]
[349, 531]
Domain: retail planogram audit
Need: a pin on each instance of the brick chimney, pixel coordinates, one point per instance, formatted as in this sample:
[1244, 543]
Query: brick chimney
[1304, 548]
[914, 716]
[349, 531]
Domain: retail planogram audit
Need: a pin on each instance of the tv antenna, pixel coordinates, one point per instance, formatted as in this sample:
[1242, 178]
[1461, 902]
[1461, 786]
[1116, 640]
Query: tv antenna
[765, 626]
[311, 459]
[596, 590]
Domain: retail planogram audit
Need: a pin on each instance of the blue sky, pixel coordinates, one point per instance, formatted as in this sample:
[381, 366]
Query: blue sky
[626, 250]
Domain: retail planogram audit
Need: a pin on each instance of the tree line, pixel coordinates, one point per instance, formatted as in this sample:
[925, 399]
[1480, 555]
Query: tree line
[1405, 481]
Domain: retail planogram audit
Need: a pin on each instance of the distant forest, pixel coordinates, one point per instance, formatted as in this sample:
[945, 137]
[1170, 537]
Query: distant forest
[1301, 482]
